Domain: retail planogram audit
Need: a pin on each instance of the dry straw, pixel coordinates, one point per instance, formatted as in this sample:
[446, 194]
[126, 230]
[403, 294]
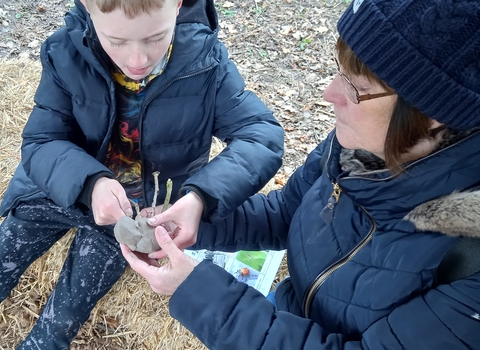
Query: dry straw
[130, 316]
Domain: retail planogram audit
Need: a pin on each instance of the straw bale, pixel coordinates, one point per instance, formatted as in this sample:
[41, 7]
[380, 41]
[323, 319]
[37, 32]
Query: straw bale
[130, 316]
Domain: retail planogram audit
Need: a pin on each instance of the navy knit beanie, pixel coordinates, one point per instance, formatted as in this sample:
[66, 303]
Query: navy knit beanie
[427, 50]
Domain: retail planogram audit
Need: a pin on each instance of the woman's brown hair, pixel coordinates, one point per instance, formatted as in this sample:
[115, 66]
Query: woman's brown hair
[407, 125]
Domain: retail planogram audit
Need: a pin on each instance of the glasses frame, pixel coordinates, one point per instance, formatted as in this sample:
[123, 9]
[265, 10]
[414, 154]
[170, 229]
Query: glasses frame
[359, 97]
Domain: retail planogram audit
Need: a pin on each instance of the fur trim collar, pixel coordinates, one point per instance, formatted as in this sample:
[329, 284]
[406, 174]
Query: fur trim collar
[457, 214]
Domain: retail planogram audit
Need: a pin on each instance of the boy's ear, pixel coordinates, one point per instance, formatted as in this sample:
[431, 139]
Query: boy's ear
[84, 2]
[179, 4]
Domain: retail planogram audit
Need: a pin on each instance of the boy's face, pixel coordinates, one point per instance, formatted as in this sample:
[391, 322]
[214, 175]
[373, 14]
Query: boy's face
[136, 45]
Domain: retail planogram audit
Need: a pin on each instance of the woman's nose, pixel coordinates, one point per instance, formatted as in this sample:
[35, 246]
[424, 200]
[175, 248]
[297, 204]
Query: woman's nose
[335, 93]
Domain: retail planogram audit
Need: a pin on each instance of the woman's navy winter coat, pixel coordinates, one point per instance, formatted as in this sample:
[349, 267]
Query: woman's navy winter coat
[199, 95]
[362, 269]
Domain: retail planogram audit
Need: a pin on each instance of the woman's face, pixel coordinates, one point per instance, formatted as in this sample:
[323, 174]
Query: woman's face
[363, 125]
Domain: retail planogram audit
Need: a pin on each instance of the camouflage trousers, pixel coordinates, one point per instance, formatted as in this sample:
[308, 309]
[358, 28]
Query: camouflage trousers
[93, 264]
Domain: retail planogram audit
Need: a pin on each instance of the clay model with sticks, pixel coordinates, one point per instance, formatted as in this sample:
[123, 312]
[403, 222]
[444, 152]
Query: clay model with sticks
[136, 233]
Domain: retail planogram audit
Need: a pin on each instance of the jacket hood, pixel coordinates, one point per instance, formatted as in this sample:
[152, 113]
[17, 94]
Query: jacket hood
[455, 214]
[198, 11]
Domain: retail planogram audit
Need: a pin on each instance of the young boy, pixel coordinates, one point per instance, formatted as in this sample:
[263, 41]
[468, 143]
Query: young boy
[128, 88]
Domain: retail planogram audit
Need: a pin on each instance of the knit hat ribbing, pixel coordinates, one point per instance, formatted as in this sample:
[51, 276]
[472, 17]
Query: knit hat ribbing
[427, 50]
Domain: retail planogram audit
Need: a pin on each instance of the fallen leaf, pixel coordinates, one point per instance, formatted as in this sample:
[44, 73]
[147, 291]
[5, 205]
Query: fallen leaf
[33, 43]
[286, 30]
[322, 29]
[289, 108]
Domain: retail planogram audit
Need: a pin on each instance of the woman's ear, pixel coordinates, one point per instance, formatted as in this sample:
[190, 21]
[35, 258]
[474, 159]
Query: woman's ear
[435, 124]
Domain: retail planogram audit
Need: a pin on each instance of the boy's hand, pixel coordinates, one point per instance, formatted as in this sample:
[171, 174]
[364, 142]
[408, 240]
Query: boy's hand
[167, 278]
[109, 202]
[185, 214]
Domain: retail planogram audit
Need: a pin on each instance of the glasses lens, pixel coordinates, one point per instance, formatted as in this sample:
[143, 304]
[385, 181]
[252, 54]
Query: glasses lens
[350, 89]
[347, 85]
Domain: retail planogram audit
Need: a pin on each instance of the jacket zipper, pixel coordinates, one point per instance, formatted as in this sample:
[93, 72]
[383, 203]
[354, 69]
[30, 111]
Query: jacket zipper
[144, 107]
[327, 212]
[335, 196]
[322, 276]
[320, 279]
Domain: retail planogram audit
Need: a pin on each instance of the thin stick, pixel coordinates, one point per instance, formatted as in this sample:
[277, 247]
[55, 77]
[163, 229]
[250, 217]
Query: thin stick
[157, 189]
[29, 311]
[168, 195]
[118, 334]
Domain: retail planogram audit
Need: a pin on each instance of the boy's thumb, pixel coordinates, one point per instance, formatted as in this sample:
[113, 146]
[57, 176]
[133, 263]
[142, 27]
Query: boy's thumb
[128, 211]
[165, 241]
[127, 208]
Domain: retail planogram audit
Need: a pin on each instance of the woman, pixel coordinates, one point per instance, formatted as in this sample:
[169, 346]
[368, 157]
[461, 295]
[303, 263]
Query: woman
[369, 217]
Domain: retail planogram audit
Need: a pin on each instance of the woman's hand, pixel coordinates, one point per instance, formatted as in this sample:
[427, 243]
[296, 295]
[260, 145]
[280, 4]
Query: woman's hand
[162, 279]
[185, 214]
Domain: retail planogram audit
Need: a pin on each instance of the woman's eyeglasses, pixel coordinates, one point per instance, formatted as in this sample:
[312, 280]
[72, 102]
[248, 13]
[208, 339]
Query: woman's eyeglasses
[352, 91]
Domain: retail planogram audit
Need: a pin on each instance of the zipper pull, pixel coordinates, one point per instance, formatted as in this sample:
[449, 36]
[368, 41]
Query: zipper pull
[336, 192]
[327, 212]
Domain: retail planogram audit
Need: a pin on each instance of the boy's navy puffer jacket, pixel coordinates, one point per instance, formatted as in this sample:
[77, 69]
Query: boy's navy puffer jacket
[363, 272]
[199, 95]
